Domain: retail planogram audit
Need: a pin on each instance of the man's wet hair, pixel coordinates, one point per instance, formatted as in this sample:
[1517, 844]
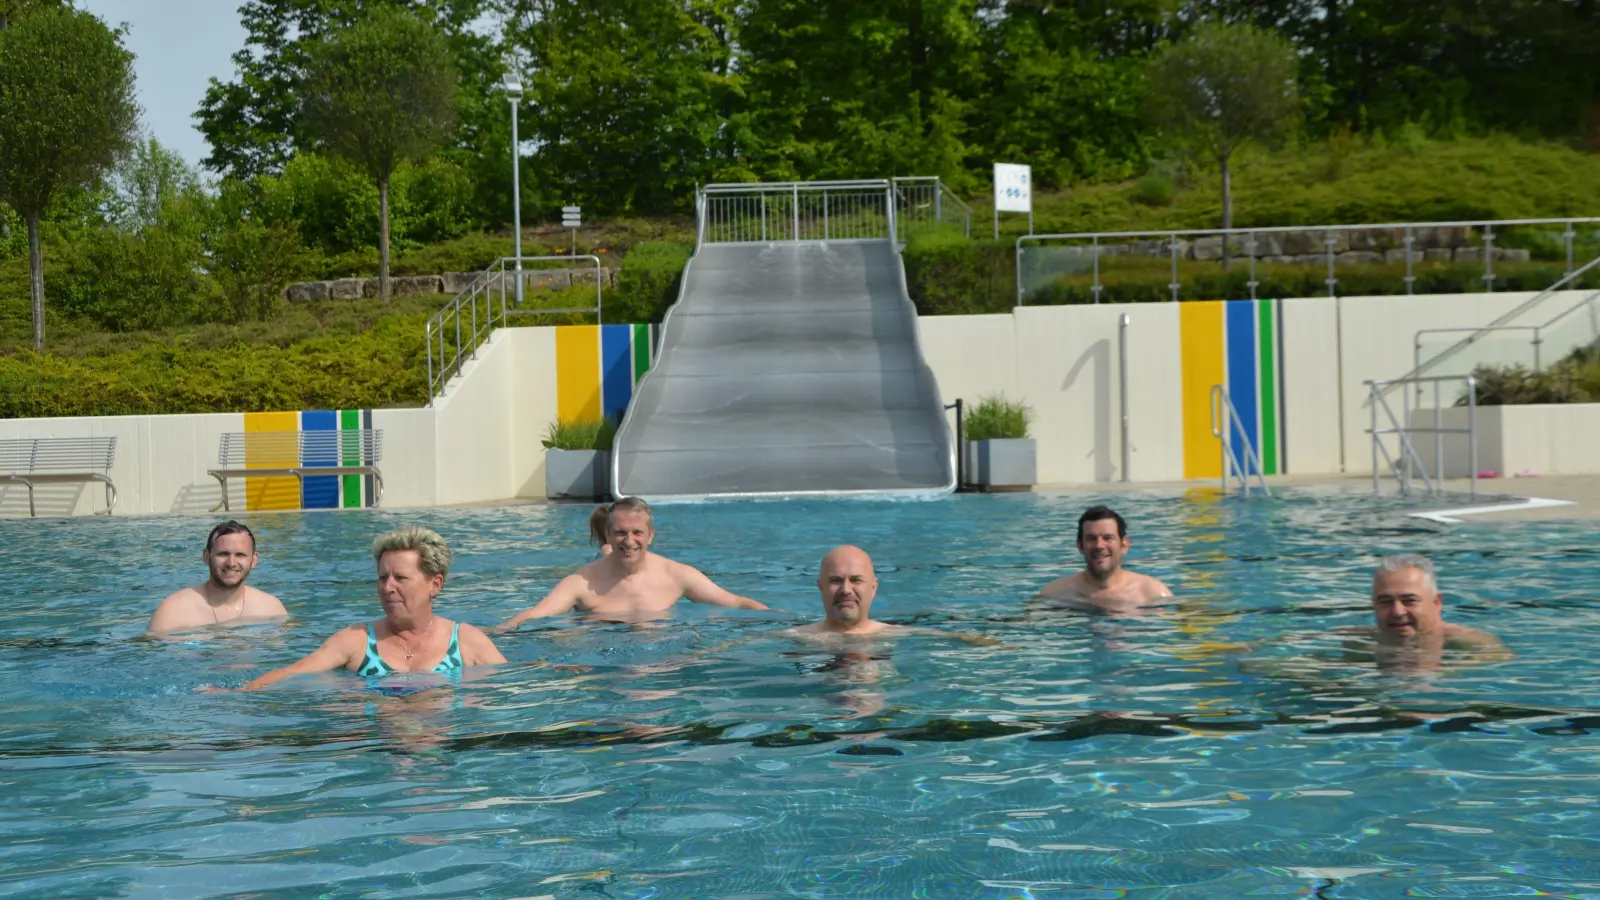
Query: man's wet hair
[227, 528]
[1097, 513]
[1399, 562]
[631, 503]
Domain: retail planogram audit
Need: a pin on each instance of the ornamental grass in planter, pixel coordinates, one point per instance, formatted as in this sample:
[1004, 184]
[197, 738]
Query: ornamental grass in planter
[999, 453]
[577, 459]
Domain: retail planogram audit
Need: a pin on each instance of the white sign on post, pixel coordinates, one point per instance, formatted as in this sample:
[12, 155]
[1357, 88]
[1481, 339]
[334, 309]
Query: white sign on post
[1013, 192]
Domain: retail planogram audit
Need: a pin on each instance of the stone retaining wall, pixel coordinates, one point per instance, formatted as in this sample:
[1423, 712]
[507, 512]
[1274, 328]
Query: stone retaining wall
[451, 283]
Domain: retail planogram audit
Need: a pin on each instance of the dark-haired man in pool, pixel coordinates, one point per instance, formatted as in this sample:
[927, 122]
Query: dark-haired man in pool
[230, 555]
[630, 583]
[1104, 583]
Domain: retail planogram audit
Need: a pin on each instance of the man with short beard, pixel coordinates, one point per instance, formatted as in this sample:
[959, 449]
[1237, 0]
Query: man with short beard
[1104, 583]
[630, 583]
[230, 554]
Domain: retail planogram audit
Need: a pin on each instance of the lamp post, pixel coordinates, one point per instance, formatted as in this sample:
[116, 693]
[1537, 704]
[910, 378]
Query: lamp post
[513, 88]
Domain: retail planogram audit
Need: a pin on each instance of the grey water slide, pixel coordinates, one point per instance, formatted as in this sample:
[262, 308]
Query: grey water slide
[788, 368]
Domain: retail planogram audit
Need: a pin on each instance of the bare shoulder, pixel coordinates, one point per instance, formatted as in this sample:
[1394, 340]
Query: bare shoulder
[265, 604]
[1463, 637]
[181, 609]
[1152, 587]
[1062, 588]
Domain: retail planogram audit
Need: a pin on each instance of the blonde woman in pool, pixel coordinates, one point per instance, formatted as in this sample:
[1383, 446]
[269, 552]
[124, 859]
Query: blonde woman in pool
[410, 638]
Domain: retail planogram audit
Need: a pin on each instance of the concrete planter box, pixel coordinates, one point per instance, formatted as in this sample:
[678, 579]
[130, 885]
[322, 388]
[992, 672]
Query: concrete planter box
[1002, 465]
[577, 474]
[1551, 439]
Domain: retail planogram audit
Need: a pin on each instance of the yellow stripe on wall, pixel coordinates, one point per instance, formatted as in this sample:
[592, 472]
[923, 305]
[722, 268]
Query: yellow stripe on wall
[1204, 365]
[577, 373]
[277, 491]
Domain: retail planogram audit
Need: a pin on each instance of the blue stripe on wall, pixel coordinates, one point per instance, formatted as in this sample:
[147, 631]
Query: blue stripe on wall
[616, 369]
[1241, 329]
[320, 491]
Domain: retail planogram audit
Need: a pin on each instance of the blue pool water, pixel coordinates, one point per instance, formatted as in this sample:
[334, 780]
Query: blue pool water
[1222, 749]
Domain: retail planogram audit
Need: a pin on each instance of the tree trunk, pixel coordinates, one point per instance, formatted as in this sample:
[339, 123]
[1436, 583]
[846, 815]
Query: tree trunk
[1227, 210]
[383, 239]
[36, 280]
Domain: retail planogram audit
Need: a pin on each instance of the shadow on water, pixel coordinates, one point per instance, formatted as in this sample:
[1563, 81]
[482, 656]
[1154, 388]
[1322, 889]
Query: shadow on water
[1471, 718]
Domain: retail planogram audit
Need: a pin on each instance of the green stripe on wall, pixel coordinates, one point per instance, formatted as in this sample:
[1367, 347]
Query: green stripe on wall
[1267, 378]
[350, 485]
[641, 351]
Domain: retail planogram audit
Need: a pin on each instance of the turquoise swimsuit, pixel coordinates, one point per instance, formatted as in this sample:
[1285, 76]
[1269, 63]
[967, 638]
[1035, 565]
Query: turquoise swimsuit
[373, 666]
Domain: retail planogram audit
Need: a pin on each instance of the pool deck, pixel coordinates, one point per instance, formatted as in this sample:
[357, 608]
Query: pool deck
[1580, 493]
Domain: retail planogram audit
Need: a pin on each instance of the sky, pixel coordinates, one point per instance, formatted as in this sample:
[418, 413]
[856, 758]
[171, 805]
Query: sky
[178, 46]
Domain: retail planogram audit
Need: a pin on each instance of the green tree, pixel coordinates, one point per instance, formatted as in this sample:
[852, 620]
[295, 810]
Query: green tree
[631, 94]
[66, 114]
[252, 122]
[1220, 88]
[379, 93]
[846, 89]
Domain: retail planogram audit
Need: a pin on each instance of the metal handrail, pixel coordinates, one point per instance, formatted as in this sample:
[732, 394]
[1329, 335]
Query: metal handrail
[1499, 324]
[446, 357]
[761, 212]
[1402, 468]
[1223, 431]
[1488, 225]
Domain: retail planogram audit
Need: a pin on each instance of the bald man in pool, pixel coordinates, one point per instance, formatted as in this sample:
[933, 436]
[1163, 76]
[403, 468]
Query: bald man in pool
[1104, 583]
[230, 555]
[848, 585]
[630, 583]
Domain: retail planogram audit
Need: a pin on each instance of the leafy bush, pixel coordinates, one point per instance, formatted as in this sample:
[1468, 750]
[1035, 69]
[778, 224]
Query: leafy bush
[433, 201]
[589, 434]
[334, 206]
[1155, 189]
[994, 417]
[381, 366]
[1575, 379]
[948, 274]
[648, 281]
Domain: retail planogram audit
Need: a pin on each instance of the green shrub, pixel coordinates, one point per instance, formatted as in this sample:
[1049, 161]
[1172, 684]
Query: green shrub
[994, 417]
[1575, 379]
[1155, 189]
[948, 274]
[648, 281]
[589, 434]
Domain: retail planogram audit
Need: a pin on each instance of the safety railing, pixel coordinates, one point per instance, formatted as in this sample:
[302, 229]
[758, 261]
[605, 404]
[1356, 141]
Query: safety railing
[926, 200]
[1227, 427]
[1042, 259]
[1537, 333]
[795, 211]
[873, 209]
[1406, 462]
[454, 333]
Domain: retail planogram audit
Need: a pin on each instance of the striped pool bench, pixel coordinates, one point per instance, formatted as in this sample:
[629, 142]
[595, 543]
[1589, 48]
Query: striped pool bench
[303, 454]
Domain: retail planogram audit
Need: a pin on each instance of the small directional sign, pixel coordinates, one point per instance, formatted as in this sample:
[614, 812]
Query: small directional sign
[572, 217]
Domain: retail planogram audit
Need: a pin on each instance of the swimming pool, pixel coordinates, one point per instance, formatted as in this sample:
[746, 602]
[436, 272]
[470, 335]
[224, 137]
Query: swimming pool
[1223, 749]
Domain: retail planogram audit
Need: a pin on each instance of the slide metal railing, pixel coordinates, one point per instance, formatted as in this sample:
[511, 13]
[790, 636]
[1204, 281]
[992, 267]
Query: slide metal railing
[872, 209]
[454, 333]
[1228, 427]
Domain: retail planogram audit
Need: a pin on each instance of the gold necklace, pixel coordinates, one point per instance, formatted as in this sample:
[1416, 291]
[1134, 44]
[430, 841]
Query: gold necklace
[427, 631]
[216, 619]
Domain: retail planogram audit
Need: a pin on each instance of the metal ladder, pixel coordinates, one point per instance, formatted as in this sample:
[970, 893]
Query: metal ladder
[1406, 463]
[1225, 423]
